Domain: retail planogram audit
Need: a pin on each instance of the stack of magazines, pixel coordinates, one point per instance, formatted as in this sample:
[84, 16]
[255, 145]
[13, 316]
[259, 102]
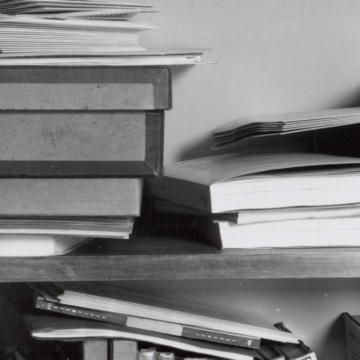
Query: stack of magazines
[283, 124]
[79, 32]
[69, 26]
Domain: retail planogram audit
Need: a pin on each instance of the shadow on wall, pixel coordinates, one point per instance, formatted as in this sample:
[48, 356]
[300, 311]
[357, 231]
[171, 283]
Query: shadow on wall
[197, 150]
[200, 148]
[337, 141]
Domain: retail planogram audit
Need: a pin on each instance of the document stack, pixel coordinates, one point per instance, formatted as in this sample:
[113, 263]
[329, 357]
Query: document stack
[114, 321]
[79, 33]
[284, 124]
[76, 144]
[265, 200]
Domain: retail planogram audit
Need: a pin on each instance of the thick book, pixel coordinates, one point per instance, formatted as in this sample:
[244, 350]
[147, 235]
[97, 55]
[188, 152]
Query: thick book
[259, 181]
[81, 143]
[54, 328]
[143, 323]
[352, 336]
[325, 232]
[39, 245]
[282, 124]
[112, 299]
[87, 88]
[250, 216]
[27, 197]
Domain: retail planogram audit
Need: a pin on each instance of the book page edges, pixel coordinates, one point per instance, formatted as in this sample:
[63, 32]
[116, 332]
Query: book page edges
[216, 169]
[288, 117]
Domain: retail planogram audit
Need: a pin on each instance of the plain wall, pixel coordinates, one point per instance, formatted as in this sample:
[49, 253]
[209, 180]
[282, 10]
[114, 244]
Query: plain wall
[273, 56]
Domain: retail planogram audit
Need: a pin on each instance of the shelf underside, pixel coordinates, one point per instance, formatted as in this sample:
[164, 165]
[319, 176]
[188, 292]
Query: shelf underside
[175, 257]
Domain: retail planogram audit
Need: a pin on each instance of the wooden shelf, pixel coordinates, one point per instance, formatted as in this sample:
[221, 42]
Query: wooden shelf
[175, 257]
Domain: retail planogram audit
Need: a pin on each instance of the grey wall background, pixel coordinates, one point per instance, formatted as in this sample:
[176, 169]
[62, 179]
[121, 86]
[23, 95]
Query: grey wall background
[273, 56]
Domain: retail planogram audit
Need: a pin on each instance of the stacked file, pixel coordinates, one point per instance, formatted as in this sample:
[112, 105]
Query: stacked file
[76, 144]
[101, 313]
[265, 200]
[283, 124]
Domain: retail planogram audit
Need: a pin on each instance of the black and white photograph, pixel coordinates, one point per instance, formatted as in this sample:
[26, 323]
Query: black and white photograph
[179, 180]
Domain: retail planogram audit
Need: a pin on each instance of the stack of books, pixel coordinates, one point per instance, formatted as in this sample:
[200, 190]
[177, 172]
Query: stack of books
[87, 311]
[265, 200]
[69, 170]
[86, 32]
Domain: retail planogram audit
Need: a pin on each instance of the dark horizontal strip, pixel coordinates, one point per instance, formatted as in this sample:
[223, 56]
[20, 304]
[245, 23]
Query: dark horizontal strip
[75, 169]
[87, 74]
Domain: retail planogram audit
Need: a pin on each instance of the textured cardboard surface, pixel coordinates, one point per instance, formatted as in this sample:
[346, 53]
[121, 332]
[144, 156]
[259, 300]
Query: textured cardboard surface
[70, 197]
[85, 88]
[81, 143]
[72, 136]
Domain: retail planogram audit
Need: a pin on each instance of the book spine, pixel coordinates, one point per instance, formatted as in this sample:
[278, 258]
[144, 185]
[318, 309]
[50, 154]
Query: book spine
[175, 311]
[80, 312]
[151, 325]
[221, 338]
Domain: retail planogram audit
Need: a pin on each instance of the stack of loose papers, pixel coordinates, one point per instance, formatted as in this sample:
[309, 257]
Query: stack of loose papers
[25, 34]
[68, 26]
[80, 32]
[73, 8]
[244, 128]
[266, 200]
